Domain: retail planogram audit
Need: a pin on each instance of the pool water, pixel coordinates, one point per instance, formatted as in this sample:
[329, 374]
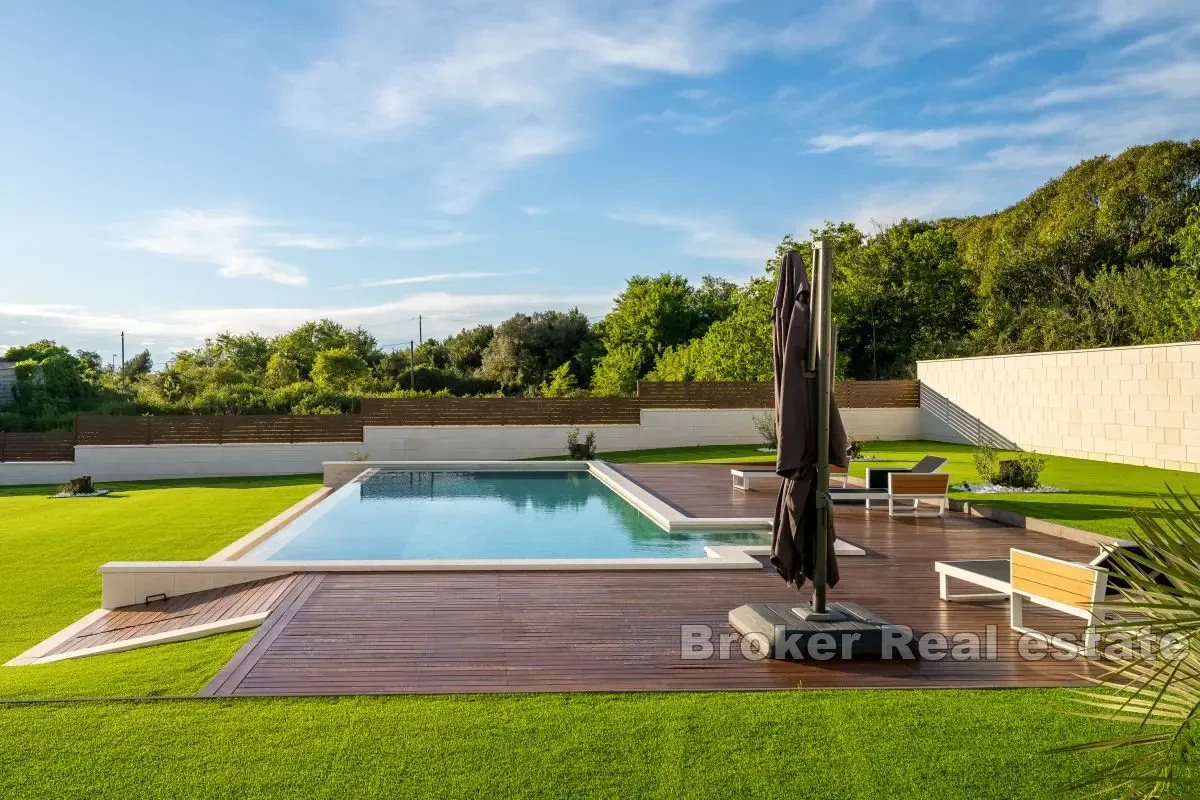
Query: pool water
[483, 515]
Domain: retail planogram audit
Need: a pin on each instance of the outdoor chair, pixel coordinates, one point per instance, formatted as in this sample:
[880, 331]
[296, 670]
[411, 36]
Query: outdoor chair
[906, 487]
[1051, 582]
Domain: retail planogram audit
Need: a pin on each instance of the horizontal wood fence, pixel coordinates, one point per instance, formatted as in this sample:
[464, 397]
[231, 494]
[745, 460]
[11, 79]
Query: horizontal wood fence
[294, 429]
[53, 446]
[231, 429]
[850, 394]
[501, 411]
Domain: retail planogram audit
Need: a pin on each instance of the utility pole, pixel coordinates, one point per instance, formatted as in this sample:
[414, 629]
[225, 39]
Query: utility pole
[412, 375]
[420, 330]
[122, 350]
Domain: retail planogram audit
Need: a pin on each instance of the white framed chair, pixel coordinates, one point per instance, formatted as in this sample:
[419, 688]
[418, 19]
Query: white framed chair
[1064, 586]
[905, 488]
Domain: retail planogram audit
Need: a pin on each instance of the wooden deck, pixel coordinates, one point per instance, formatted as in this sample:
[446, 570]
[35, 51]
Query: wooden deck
[177, 613]
[342, 633]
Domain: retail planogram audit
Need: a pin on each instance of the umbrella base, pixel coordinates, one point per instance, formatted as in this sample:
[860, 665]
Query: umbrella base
[777, 631]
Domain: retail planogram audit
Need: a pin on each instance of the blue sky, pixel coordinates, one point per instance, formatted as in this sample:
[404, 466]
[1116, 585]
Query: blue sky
[177, 169]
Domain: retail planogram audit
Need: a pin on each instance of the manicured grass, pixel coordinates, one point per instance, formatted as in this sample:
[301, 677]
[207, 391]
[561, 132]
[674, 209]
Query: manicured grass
[49, 551]
[821, 744]
[1100, 497]
[844, 744]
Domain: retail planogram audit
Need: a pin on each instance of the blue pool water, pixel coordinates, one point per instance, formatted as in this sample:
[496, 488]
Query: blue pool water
[483, 515]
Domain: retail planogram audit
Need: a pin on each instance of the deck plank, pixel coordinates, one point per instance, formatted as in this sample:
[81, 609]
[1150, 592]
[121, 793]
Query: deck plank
[367, 633]
[176, 613]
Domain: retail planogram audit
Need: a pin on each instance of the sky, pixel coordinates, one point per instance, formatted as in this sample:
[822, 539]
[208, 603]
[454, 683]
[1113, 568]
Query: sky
[173, 170]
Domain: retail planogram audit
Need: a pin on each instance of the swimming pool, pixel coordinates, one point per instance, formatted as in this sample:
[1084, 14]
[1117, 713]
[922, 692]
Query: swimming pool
[403, 515]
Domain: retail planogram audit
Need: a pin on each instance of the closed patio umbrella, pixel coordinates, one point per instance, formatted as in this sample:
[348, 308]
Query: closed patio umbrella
[799, 525]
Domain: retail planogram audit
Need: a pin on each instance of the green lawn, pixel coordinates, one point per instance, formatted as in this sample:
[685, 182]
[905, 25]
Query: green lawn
[1101, 494]
[49, 551]
[952, 744]
[820, 744]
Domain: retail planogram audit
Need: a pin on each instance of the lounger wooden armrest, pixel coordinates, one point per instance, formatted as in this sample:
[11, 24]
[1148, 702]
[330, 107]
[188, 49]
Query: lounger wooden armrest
[911, 487]
[1064, 586]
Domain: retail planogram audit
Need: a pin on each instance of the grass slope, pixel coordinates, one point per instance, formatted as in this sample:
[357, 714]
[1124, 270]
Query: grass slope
[49, 551]
[1100, 498]
[821, 744]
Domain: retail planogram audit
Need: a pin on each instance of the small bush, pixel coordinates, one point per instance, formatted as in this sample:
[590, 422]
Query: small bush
[985, 463]
[581, 451]
[1022, 472]
[764, 423]
[80, 485]
[855, 450]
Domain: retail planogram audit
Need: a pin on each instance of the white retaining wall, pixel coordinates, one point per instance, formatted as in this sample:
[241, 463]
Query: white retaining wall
[659, 428]
[1133, 405]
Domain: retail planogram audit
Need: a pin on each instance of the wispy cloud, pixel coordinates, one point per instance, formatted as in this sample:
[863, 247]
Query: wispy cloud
[447, 309]
[688, 122]
[439, 277]
[431, 240]
[232, 241]
[532, 211]
[706, 235]
[477, 89]
[892, 143]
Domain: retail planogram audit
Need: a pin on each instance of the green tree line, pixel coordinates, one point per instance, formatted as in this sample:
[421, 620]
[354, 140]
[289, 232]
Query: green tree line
[1106, 254]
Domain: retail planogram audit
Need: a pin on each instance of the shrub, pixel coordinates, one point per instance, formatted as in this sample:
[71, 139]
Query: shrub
[581, 451]
[1022, 472]
[985, 463]
[764, 423]
[855, 450]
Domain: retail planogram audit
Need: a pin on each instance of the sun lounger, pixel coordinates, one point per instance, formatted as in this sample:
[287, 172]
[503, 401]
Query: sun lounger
[1029, 577]
[1064, 586]
[743, 477]
[907, 487]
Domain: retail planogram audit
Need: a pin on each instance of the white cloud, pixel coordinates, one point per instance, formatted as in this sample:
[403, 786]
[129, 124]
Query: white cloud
[473, 89]
[446, 309]
[532, 211]
[1179, 80]
[888, 205]
[687, 122]
[893, 143]
[225, 239]
[439, 277]
[707, 236]
[432, 240]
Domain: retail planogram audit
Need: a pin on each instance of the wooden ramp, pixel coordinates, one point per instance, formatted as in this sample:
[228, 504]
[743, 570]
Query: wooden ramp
[151, 623]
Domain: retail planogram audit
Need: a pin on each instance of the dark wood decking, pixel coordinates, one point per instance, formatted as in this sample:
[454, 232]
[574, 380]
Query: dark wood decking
[344, 633]
[176, 613]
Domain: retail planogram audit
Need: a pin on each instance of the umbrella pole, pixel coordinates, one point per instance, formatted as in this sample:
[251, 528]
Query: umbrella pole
[821, 344]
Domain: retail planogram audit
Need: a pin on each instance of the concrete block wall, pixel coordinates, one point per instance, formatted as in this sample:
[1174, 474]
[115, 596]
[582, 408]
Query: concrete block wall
[1132, 405]
[658, 428]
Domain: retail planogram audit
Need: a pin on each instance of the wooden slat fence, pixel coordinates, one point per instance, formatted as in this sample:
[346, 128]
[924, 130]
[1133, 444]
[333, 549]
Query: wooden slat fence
[850, 394]
[264, 429]
[500, 411]
[228, 429]
[53, 446]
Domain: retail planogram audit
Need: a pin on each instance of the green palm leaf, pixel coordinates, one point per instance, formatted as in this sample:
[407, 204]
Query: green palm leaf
[1153, 680]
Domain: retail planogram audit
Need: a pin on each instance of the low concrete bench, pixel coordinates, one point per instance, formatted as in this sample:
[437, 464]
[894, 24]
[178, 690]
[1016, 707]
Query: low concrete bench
[744, 476]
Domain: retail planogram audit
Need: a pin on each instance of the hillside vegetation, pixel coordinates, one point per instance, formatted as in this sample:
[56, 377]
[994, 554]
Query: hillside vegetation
[1106, 254]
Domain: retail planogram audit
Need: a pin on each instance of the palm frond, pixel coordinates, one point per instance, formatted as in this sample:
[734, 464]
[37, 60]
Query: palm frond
[1145, 682]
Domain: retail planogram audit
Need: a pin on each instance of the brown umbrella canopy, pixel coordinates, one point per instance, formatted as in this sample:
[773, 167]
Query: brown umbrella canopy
[794, 535]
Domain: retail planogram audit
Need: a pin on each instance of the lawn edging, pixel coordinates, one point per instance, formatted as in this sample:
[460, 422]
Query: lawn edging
[1017, 520]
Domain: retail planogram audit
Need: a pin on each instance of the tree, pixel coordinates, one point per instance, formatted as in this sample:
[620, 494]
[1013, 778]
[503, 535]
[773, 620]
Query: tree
[339, 369]
[466, 347]
[304, 343]
[141, 364]
[618, 372]
[281, 371]
[525, 348]
[561, 383]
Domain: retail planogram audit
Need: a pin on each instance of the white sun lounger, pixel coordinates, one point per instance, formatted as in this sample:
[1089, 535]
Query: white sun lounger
[743, 477]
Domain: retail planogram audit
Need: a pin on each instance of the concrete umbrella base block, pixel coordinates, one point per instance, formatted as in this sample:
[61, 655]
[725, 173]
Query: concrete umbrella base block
[781, 631]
